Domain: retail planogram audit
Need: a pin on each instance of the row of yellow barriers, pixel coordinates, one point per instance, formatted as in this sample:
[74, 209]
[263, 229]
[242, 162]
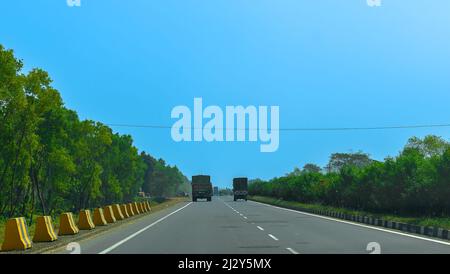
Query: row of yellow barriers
[16, 233]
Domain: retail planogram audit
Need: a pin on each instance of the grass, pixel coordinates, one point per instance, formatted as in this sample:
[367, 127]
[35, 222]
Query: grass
[441, 222]
[155, 205]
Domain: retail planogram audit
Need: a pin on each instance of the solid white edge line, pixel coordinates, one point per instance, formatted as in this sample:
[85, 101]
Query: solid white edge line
[360, 225]
[292, 250]
[273, 237]
[109, 249]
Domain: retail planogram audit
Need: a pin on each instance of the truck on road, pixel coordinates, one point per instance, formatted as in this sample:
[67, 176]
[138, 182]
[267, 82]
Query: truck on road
[240, 188]
[201, 187]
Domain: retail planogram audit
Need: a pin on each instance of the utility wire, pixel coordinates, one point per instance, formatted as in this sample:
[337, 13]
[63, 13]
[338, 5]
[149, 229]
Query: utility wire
[299, 129]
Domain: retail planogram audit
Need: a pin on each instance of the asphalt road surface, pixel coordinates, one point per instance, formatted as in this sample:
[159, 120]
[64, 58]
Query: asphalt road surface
[227, 227]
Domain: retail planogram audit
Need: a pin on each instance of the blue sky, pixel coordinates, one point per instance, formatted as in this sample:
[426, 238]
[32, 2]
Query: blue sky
[327, 63]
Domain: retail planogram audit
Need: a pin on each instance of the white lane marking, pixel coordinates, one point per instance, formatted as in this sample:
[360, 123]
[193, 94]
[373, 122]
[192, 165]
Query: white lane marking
[292, 250]
[360, 225]
[244, 217]
[109, 249]
[273, 237]
[260, 228]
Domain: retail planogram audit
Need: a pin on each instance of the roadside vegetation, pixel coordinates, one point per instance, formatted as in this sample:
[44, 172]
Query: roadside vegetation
[413, 187]
[53, 162]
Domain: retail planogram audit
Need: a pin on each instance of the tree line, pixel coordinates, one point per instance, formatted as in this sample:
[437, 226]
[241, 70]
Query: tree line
[416, 182]
[51, 161]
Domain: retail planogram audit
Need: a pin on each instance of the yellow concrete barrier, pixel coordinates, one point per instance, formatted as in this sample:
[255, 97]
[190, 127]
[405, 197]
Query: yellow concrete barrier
[99, 218]
[130, 209]
[144, 205]
[85, 220]
[67, 225]
[16, 235]
[124, 211]
[118, 212]
[141, 207]
[148, 205]
[136, 208]
[109, 214]
[44, 231]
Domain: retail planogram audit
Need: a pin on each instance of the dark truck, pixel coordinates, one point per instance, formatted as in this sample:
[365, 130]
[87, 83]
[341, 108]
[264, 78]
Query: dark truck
[240, 188]
[201, 188]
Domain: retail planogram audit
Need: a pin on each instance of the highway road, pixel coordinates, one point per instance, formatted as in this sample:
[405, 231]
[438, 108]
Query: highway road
[227, 227]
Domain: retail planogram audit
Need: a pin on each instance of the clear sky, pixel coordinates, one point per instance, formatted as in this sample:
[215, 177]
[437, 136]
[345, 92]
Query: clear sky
[326, 63]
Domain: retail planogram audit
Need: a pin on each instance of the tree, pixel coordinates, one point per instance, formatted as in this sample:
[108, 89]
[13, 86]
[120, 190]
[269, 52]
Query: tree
[311, 168]
[429, 146]
[51, 161]
[339, 160]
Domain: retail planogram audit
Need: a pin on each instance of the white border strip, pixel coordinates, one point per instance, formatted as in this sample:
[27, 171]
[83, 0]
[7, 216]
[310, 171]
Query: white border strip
[109, 249]
[356, 224]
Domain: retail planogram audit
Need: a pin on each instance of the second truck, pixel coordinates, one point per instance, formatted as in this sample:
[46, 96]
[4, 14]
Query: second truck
[240, 188]
[201, 188]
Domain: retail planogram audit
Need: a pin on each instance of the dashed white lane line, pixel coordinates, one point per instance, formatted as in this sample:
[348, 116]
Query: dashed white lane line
[242, 215]
[273, 237]
[292, 250]
[262, 229]
[142, 230]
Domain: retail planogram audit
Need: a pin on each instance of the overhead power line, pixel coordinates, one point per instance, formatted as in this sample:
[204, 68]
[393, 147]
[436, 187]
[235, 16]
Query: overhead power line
[299, 128]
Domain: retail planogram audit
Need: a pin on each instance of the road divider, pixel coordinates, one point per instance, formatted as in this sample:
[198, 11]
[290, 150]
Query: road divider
[44, 231]
[136, 208]
[16, 235]
[130, 209]
[125, 211]
[99, 217]
[141, 207]
[117, 212]
[144, 204]
[67, 225]
[85, 220]
[147, 209]
[109, 214]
